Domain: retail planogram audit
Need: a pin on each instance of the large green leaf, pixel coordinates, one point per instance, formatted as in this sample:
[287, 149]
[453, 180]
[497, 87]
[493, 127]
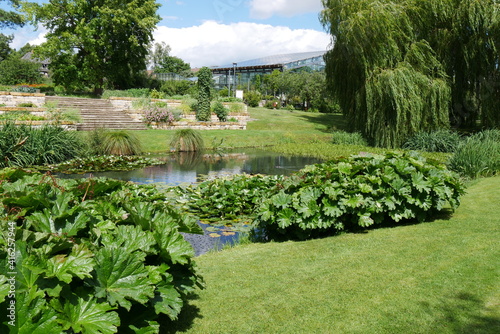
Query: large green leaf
[167, 301]
[130, 238]
[85, 315]
[79, 263]
[4, 288]
[120, 276]
[35, 316]
[47, 222]
[171, 243]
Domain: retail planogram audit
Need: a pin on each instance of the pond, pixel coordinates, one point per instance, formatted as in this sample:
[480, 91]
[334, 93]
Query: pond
[192, 167]
[188, 168]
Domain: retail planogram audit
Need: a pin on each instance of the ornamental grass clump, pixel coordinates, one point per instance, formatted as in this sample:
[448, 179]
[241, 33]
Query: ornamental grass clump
[187, 140]
[358, 192]
[120, 142]
[92, 255]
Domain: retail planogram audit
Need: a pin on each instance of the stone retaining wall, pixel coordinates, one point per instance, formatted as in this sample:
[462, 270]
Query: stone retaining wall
[201, 126]
[13, 99]
[125, 104]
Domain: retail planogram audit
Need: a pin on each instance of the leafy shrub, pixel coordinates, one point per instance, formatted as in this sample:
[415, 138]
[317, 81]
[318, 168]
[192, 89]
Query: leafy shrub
[120, 142]
[348, 138]
[357, 192]
[18, 115]
[134, 92]
[155, 113]
[23, 145]
[24, 89]
[172, 87]
[154, 94]
[26, 105]
[221, 111]
[273, 104]
[14, 71]
[229, 99]
[252, 98]
[478, 155]
[436, 141]
[227, 198]
[92, 255]
[187, 140]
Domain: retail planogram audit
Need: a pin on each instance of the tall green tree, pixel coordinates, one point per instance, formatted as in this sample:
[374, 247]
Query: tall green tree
[205, 84]
[172, 64]
[158, 52]
[398, 67]
[10, 19]
[95, 42]
[5, 49]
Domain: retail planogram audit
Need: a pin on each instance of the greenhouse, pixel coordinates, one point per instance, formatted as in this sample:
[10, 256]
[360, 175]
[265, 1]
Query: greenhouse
[244, 72]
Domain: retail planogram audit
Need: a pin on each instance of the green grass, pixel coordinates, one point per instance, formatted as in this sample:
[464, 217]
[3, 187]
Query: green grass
[282, 131]
[267, 127]
[436, 277]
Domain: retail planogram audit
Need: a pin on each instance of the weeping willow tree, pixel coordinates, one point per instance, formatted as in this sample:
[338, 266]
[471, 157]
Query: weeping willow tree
[399, 67]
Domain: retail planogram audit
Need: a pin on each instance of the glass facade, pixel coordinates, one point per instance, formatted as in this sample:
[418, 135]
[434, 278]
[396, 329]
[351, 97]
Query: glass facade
[244, 72]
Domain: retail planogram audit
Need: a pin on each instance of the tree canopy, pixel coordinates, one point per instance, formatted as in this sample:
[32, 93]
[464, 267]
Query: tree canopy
[398, 67]
[95, 43]
[10, 19]
[163, 62]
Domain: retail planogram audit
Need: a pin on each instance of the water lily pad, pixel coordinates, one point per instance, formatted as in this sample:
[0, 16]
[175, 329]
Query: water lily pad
[214, 235]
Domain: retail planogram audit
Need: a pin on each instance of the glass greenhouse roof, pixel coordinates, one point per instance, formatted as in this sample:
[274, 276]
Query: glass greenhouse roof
[282, 59]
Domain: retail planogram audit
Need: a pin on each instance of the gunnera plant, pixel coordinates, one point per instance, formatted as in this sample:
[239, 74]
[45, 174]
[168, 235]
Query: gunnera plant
[187, 140]
[435, 141]
[348, 138]
[478, 155]
[120, 142]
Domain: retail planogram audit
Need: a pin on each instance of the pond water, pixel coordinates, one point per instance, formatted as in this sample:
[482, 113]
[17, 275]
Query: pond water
[188, 168]
[192, 167]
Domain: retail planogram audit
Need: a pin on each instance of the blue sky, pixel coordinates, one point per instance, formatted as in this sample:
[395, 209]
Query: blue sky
[218, 32]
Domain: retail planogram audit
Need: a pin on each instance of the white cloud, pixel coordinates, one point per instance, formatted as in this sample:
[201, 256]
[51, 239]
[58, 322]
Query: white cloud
[264, 9]
[27, 35]
[214, 44]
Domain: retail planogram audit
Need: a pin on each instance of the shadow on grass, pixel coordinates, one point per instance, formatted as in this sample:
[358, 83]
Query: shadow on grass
[185, 321]
[466, 313]
[330, 121]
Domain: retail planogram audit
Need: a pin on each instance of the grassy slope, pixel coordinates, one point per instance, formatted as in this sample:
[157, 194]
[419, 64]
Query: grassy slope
[437, 277]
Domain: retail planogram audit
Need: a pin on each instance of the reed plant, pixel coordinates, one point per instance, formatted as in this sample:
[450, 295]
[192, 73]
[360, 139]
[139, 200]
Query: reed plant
[348, 138]
[445, 141]
[478, 155]
[23, 145]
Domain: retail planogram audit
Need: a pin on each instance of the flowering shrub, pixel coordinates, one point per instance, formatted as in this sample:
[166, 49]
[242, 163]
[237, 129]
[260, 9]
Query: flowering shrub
[155, 113]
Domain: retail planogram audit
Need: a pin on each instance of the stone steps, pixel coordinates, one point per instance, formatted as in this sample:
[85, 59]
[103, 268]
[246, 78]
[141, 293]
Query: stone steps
[97, 113]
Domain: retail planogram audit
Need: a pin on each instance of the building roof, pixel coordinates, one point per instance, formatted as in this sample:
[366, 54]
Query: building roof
[277, 60]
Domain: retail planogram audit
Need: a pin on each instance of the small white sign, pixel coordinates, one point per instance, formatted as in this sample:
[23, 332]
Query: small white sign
[239, 94]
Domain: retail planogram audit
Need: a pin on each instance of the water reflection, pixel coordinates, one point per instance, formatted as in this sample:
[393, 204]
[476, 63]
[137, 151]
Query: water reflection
[192, 167]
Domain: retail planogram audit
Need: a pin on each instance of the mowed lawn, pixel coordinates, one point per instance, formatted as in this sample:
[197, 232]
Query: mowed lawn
[267, 127]
[436, 277]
